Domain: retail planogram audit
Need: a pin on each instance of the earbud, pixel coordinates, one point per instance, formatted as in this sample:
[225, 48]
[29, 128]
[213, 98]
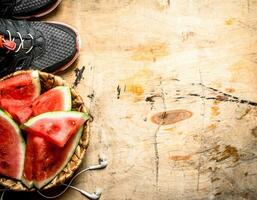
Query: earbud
[102, 163]
[94, 196]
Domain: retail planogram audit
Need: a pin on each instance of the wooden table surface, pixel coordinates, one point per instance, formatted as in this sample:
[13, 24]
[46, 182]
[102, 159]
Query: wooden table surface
[172, 88]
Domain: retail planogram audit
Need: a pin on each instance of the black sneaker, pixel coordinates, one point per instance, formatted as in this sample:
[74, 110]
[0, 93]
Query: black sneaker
[49, 47]
[26, 8]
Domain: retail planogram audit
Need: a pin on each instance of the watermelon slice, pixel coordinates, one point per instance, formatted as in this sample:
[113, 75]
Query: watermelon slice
[56, 99]
[12, 148]
[17, 94]
[49, 159]
[27, 177]
[20, 111]
[56, 127]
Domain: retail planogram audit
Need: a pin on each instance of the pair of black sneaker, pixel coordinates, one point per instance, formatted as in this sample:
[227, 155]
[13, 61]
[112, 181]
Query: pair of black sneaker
[45, 46]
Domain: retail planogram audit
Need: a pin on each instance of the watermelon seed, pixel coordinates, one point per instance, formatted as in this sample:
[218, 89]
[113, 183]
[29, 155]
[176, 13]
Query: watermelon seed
[4, 164]
[94, 196]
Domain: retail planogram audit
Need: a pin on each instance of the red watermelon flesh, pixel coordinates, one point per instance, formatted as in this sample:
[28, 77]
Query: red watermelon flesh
[27, 178]
[22, 86]
[12, 148]
[56, 127]
[17, 94]
[19, 110]
[56, 99]
[48, 159]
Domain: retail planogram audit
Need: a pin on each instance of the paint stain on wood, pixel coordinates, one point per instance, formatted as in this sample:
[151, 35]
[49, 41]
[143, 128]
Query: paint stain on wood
[215, 111]
[150, 51]
[79, 75]
[229, 21]
[171, 129]
[228, 152]
[242, 113]
[135, 84]
[211, 127]
[213, 179]
[135, 89]
[180, 157]
[219, 99]
[171, 117]
[254, 132]
[230, 90]
[163, 4]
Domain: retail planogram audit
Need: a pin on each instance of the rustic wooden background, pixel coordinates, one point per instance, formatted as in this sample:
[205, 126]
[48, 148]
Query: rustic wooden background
[172, 88]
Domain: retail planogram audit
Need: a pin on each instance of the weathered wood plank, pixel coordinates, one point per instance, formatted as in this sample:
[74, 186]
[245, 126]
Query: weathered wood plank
[145, 57]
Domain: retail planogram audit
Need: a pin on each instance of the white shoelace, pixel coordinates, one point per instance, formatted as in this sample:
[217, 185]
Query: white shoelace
[21, 46]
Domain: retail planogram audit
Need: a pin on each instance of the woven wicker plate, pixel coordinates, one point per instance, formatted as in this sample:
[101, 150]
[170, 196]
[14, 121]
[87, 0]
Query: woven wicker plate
[49, 81]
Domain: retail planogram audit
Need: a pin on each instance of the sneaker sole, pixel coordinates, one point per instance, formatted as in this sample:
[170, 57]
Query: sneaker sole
[78, 46]
[42, 13]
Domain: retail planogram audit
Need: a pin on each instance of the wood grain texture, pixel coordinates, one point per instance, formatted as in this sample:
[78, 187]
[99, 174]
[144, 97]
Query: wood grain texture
[150, 56]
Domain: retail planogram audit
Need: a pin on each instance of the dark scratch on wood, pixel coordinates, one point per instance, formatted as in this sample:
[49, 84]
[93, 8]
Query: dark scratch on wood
[244, 114]
[129, 168]
[151, 99]
[222, 97]
[91, 96]
[202, 131]
[118, 91]
[168, 2]
[92, 75]
[180, 97]
[79, 76]
[194, 95]
[156, 152]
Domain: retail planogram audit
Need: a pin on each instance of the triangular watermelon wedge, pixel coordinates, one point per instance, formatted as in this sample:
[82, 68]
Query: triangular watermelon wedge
[50, 159]
[56, 99]
[12, 148]
[17, 94]
[56, 127]
[19, 110]
[27, 177]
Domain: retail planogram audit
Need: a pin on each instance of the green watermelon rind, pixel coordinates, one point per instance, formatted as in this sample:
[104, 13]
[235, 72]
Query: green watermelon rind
[66, 107]
[67, 97]
[22, 142]
[54, 115]
[36, 82]
[74, 145]
[65, 90]
[29, 184]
